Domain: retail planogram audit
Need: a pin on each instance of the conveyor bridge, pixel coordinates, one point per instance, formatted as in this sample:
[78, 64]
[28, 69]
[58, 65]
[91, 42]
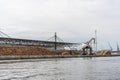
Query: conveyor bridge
[27, 42]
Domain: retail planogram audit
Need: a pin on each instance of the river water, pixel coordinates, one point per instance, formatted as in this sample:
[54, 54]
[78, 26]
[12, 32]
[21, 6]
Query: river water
[99, 68]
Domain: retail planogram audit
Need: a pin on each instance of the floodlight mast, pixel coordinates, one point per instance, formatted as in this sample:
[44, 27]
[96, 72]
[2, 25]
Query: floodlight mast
[96, 41]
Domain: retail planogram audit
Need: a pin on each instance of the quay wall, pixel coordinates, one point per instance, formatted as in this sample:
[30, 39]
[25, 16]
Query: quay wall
[51, 56]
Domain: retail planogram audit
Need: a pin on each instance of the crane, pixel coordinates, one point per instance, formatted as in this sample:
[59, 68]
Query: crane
[87, 47]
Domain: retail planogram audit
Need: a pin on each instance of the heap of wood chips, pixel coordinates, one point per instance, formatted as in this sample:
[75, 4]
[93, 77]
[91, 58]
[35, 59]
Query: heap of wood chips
[105, 52]
[30, 50]
[22, 50]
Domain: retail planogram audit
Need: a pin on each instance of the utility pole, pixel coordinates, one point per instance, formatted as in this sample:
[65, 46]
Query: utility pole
[96, 40]
[55, 41]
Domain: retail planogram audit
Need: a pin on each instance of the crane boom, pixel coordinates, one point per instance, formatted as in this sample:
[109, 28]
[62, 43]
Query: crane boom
[92, 39]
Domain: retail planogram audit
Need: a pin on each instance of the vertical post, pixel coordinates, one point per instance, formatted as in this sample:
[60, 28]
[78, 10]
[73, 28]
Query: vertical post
[55, 41]
[96, 40]
[117, 47]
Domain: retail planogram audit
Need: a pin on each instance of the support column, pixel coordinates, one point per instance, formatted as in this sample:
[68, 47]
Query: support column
[55, 41]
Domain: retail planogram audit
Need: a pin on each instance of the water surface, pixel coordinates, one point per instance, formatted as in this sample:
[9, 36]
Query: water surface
[99, 68]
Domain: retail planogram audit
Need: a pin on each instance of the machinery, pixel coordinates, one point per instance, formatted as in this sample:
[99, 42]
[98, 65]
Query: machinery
[87, 47]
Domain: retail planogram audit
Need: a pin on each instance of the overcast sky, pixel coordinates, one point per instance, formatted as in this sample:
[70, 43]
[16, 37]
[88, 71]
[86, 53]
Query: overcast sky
[73, 20]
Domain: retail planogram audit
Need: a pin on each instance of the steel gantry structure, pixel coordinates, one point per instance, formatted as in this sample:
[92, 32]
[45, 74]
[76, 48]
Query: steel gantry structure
[6, 40]
[27, 42]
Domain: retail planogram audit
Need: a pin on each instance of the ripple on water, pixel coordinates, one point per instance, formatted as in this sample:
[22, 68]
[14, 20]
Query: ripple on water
[104, 68]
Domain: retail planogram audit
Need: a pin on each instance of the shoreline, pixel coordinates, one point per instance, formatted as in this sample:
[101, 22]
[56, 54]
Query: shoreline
[15, 57]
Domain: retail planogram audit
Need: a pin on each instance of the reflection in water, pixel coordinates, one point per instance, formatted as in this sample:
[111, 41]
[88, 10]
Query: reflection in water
[104, 68]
